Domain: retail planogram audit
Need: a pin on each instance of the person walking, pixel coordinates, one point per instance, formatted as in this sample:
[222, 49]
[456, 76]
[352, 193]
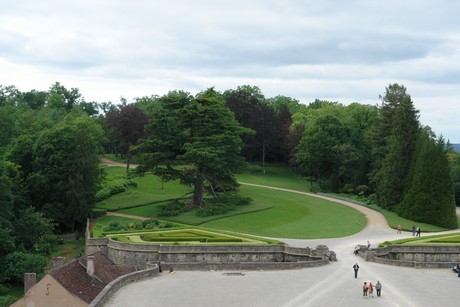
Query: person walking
[458, 270]
[368, 244]
[378, 287]
[418, 231]
[356, 268]
[413, 231]
[365, 288]
[371, 289]
[399, 229]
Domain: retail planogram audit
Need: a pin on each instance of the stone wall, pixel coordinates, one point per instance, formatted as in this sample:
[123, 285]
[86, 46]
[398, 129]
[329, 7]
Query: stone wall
[417, 256]
[257, 257]
[102, 298]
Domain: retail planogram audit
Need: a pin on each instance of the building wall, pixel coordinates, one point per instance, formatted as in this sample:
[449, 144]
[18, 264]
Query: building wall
[48, 292]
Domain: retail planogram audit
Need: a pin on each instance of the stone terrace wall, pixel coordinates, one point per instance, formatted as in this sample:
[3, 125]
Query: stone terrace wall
[257, 257]
[102, 298]
[417, 256]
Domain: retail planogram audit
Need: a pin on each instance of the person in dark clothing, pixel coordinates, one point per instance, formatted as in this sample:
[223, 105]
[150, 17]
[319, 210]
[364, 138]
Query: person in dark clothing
[356, 268]
[378, 287]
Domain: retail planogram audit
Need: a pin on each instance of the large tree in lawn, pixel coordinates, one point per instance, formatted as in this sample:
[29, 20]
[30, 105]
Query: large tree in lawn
[193, 139]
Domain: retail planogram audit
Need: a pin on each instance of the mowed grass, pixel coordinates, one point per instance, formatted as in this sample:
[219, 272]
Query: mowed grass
[150, 189]
[272, 213]
[394, 220]
[441, 239]
[275, 176]
[293, 216]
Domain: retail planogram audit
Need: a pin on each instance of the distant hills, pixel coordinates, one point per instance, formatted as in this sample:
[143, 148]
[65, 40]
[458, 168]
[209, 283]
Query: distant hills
[456, 147]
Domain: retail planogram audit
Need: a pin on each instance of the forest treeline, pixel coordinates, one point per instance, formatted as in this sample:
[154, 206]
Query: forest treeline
[51, 141]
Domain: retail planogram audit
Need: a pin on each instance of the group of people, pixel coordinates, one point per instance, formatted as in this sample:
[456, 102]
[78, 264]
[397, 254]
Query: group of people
[415, 231]
[369, 288]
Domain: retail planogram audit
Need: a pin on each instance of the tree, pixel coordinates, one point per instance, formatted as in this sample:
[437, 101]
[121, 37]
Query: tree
[65, 167]
[429, 196]
[8, 176]
[396, 135]
[320, 151]
[126, 126]
[193, 139]
[61, 97]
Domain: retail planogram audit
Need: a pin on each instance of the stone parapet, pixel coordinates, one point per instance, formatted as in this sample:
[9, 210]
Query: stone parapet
[121, 281]
[416, 256]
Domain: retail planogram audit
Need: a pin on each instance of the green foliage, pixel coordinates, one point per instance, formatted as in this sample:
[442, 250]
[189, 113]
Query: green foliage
[194, 139]
[430, 196]
[173, 208]
[15, 264]
[41, 239]
[396, 134]
[362, 190]
[222, 204]
[7, 300]
[113, 187]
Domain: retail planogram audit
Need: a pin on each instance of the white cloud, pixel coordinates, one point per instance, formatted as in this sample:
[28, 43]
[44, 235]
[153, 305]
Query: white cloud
[339, 50]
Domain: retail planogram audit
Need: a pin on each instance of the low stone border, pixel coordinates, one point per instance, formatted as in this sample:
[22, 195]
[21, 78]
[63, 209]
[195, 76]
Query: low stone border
[102, 298]
[415, 256]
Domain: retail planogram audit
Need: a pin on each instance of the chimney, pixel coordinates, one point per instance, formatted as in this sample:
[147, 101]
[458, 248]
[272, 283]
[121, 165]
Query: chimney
[58, 261]
[29, 281]
[90, 265]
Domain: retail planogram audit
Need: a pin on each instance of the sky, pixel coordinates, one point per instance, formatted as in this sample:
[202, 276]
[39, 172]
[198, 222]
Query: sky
[344, 51]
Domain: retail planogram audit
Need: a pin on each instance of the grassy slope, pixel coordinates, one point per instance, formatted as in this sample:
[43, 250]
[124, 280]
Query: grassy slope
[293, 216]
[272, 213]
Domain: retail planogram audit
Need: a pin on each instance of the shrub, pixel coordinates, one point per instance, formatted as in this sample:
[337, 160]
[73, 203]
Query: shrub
[348, 189]
[362, 190]
[114, 187]
[173, 208]
[17, 263]
[154, 222]
[115, 226]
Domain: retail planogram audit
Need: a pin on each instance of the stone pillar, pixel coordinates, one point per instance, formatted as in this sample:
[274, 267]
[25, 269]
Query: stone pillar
[29, 281]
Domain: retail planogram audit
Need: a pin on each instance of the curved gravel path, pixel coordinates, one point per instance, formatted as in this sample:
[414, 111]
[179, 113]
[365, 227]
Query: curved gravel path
[330, 285]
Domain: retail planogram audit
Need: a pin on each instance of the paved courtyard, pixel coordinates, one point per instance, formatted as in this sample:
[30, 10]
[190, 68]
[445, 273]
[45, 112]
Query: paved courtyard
[330, 285]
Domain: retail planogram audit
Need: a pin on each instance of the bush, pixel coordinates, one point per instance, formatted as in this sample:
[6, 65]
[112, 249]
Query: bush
[15, 264]
[6, 300]
[153, 222]
[115, 226]
[173, 208]
[362, 190]
[114, 187]
[348, 189]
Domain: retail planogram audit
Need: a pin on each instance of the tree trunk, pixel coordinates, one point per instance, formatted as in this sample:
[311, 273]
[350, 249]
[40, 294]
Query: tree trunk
[198, 192]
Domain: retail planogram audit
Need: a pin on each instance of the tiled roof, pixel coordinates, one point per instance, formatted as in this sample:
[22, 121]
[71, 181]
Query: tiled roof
[74, 278]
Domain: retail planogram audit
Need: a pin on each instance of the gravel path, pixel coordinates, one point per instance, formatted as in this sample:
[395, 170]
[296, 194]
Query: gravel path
[330, 285]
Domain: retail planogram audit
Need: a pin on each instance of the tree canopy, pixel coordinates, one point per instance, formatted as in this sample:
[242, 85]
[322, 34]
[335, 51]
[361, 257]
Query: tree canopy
[193, 139]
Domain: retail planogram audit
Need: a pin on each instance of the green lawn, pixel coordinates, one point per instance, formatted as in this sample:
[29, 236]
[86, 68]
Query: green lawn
[272, 213]
[149, 190]
[293, 216]
[442, 239]
[275, 176]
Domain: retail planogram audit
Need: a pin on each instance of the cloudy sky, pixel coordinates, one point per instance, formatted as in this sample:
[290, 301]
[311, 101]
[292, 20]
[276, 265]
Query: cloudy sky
[345, 51]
